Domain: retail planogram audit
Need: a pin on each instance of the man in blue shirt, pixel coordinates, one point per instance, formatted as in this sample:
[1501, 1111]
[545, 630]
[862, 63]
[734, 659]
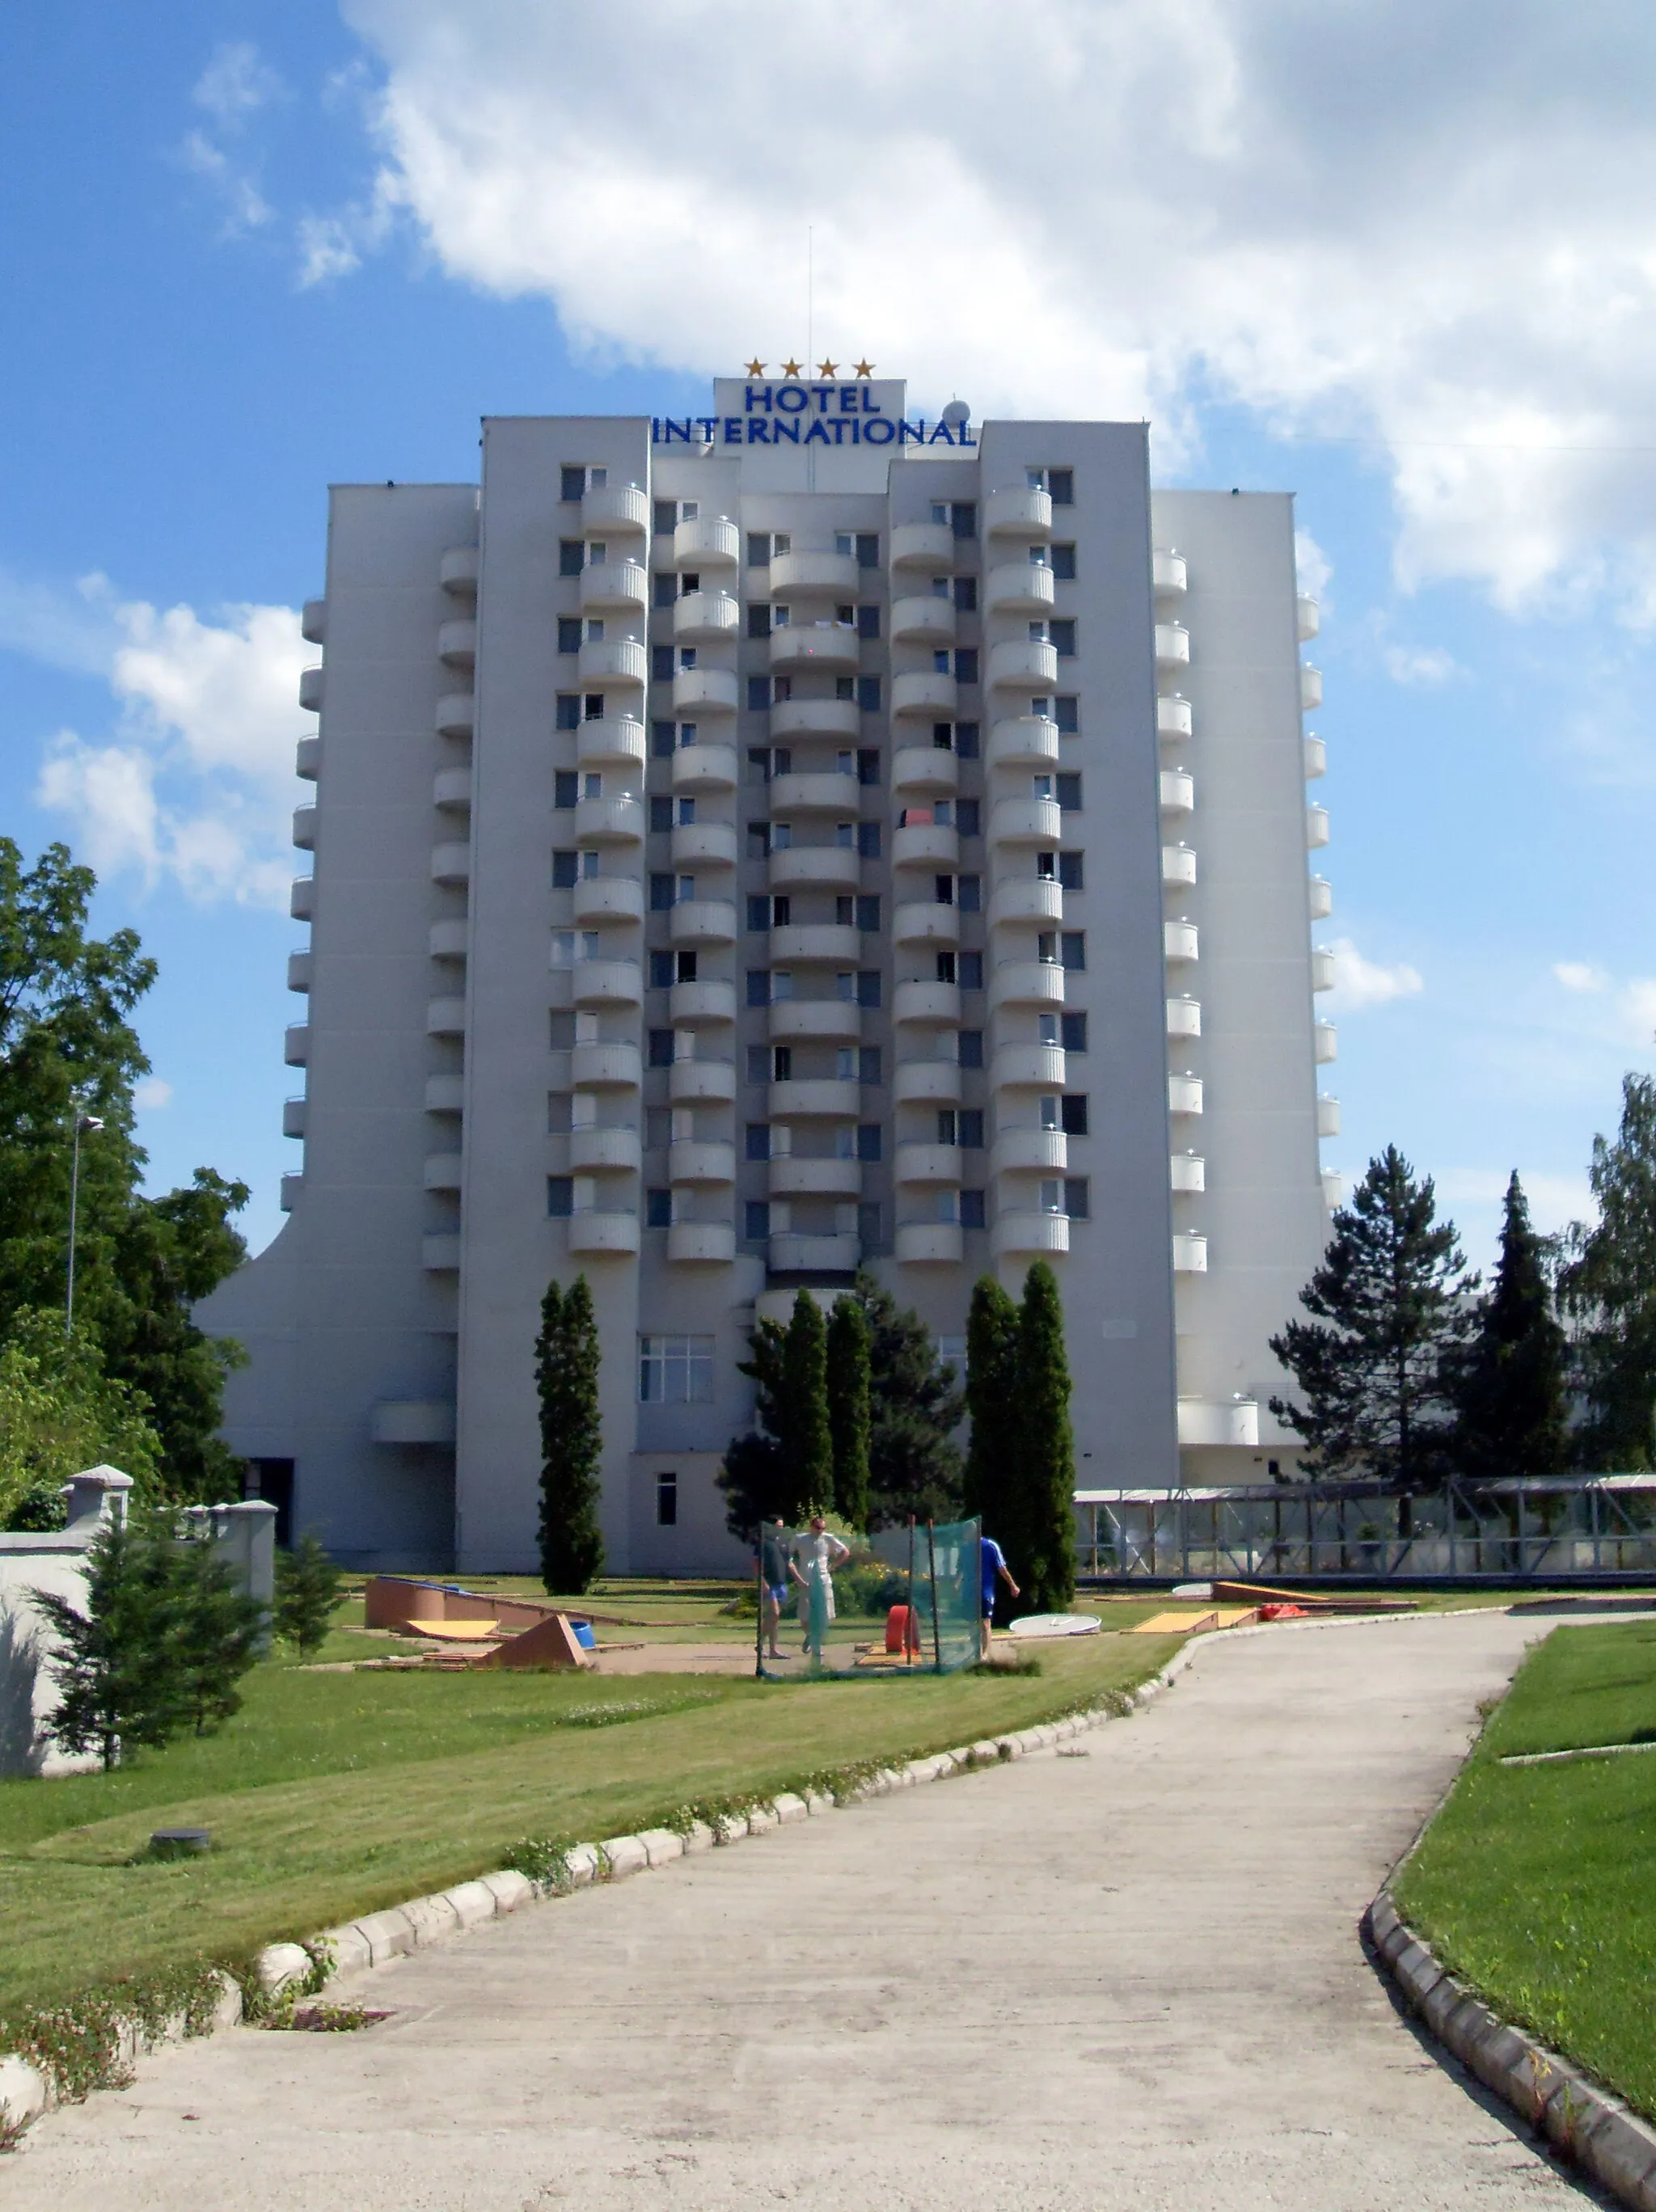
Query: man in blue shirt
[992, 1563]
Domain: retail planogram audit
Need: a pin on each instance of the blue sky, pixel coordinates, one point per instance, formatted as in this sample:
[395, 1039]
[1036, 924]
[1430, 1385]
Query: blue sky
[1392, 262]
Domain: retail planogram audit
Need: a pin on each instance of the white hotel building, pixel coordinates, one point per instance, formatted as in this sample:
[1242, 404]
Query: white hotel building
[748, 847]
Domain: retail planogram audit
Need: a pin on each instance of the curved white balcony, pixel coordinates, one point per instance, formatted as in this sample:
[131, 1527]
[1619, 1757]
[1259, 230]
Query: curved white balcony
[926, 1082]
[1325, 968]
[1187, 1173]
[704, 691]
[599, 899]
[709, 542]
[1172, 646]
[596, 1149]
[457, 641]
[1169, 574]
[1024, 741]
[927, 1163]
[925, 770]
[314, 621]
[457, 571]
[442, 1171]
[457, 714]
[704, 1242]
[796, 1255]
[835, 868]
[705, 615]
[806, 575]
[1325, 1042]
[597, 1232]
[816, 718]
[307, 759]
[933, 1005]
[1173, 717]
[925, 922]
[1328, 1116]
[839, 1019]
[930, 1243]
[304, 827]
[711, 1005]
[815, 791]
[1333, 1184]
[1027, 1067]
[705, 767]
[1037, 899]
[1026, 822]
[1178, 866]
[611, 740]
[1179, 942]
[1316, 757]
[926, 619]
[702, 921]
[445, 1017]
[1021, 663]
[926, 845]
[617, 586]
[1184, 1017]
[1321, 898]
[702, 845]
[1315, 827]
[295, 1045]
[614, 507]
[301, 897]
[1025, 983]
[311, 687]
[451, 790]
[293, 1117]
[831, 941]
[1025, 513]
[445, 1094]
[924, 691]
[824, 1098]
[1233, 1421]
[451, 863]
[702, 1082]
[440, 1255]
[791, 1176]
[1308, 617]
[611, 664]
[1029, 1152]
[831, 646]
[1022, 1232]
[1189, 1253]
[445, 940]
[617, 1066]
[701, 1161]
[1184, 1094]
[1020, 587]
[1177, 788]
[607, 983]
[619, 821]
[923, 545]
[1311, 688]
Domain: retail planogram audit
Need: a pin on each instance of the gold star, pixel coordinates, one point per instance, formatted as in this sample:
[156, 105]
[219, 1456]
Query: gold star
[790, 368]
[756, 368]
[865, 368]
[827, 368]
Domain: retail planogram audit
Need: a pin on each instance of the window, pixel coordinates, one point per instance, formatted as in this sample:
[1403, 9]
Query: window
[965, 595]
[559, 1106]
[1069, 792]
[1066, 712]
[758, 1140]
[663, 737]
[782, 911]
[844, 544]
[971, 971]
[594, 707]
[759, 620]
[1051, 1109]
[571, 556]
[667, 517]
[675, 1371]
[1061, 486]
[868, 840]
[965, 740]
[667, 1501]
[658, 1128]
[1076, 1198]
[1062, 633]
[970, 1126]
[661, 888]
[963, 518]
[844, 688]
[758, 912]
[661, 664]
[1072, 948]
[867, 987]
[568, 634]
[780, 542]
[870, 1226]
[571, 483]
[868, 694]
[1064, 564]
[939, 661]
[1074, 1122]
[660, 1047]
[658, 1209]
[972, 1209]
[1046, 1029]
[867, 767]
[868, 550]
[969, 893]
[667, 590]
[972, 1048]
[566, 785]
[1051, 1195]
[782, 1063]
[758, 548]
[687, 656]
[1073, 1033]
[560, 1197]
[867, 1064]
[566, 713]
[868, 1140]
[661, 812]
[968, 819]
[779, 835]
[660, 970]
[759, 694]
[943, 890]
[756, 1221]
[565, 870]
[758, 987]
[758, 764]
[759, 1063]
[965, 665]
[1072, 873]
[686, 811]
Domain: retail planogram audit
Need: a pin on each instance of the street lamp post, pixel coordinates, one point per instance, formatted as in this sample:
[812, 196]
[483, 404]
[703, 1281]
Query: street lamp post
[82, 1122]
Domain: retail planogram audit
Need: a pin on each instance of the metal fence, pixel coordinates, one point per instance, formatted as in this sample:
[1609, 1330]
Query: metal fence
[1547, 1530]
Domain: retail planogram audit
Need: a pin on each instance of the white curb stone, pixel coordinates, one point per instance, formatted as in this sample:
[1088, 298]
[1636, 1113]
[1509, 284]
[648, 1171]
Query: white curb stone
[623, 1855]
[278, 1964]
[660, 1845]
[581, 1864]
[24, 2094]
[348, 1951]
[818, 1801]
[388, 1934]
[730, 1827]
[471, 1902]
[698, 1837]
[789, 1808]
[761, 1819]
[430, 1918]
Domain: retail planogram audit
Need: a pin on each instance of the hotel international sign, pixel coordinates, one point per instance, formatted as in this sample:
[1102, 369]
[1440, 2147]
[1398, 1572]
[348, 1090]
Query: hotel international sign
[796, 411]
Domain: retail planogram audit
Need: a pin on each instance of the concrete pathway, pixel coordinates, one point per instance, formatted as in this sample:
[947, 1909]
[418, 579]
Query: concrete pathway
[1130, 1978]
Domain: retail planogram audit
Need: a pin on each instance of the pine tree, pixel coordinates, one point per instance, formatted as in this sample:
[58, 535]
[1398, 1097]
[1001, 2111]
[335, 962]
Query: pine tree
[571, 1440]
[807, 1446]
[848, 1409]
[1510, 1383]
[1609, 1287]
[114, 1666]
[1393, 1292]
[915, 1404]
[218, 1630]
[1043, 1506]
[991, 1404]
[307, 1591]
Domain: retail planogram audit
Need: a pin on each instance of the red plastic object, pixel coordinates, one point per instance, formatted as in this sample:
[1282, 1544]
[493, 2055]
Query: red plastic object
[900, 1626]
[1282, 1613]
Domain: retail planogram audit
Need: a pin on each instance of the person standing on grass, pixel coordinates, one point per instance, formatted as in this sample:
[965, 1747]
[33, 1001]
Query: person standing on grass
[816, 1554]
[992, 1564]
[773, 1581]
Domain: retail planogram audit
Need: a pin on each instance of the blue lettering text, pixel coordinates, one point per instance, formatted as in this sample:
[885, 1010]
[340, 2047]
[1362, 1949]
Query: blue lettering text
[847, 399]
[679, 430]
[790, 431]
[762, 396]
[879, 432]
[793, 399]
[758, 434]
[733, 429]
[911, 433]
[868, 406]
[817, 430]
[941, 436]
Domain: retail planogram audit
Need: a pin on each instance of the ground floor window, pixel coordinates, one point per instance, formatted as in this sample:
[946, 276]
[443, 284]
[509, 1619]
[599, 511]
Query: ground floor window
[667, 1501]
[675, 1371]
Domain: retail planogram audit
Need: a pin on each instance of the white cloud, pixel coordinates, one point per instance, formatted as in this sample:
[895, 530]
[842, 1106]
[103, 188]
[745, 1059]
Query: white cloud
[326, 250]
[1577, 975]
[235, 82]
[1311, 565]
[1419, 666]
[152, 1092]
[1427, 227]
[1359, 983]
[246, 206]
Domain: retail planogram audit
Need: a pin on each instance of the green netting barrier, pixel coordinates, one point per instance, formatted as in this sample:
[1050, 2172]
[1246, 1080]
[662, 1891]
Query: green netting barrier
[904, 1601]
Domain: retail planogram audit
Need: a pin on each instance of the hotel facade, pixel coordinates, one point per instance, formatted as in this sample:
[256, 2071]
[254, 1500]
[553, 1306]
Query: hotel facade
[748, 847]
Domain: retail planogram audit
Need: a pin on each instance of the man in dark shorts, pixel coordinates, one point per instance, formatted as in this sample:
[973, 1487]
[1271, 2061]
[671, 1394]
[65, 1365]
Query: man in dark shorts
[773, 1556]
[992, 1564]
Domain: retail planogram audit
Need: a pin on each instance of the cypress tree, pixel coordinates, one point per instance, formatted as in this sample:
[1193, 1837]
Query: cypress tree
[571, 1440]
[1610, 1287]
[991, 1404]
[1045, 1510]
[307, 1591]
[218, 1630]
[118, 1687]
[848, 1349]
[1510, 1391]
[808, 1447]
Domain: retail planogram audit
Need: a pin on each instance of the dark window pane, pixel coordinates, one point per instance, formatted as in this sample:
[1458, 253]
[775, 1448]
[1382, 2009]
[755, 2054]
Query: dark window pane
[1077, 1198]
[970, 1127]
[868, 840]
[965, 665]
[758, 987]
[758, 548]
[661, 892]
[965, 594]
[964, 518]
[965, 740]
[972, 1209]
[868, 916]
[568, 634]
[666, 590]
[566, 785]
[758, 1140]
[967, 818]
[844, 687]
[782, 1063]
[972, 1048]
[759, 1063]
[867, 987]
[571, 556]
[1072, 873]
[565, 868]
[759, 621]
[660, 970]
[562, 1032]
[1064, 564]
[660, 1047]
[756, 1221]
[663, 739]
[687, 972]
[758, 693]
[943, 890]
[868, 767]
[1069, 792]
[867, 1064]
[1074, 1032]
[1062, 635]
[571, 483]
[667, 1501]
[667, 517]
[1066, 712]
[661, 812]
[1061, 482]
[868, 1140]
[1072, 1111]
[567, 712]
[758, 912]
[971, 971]
[661, 664]
[868, 550]
[868, 694]
[1072, 948]
[658, 1209]
[867, 622]
[970, 890]
[560, 1196]
[870, 1226]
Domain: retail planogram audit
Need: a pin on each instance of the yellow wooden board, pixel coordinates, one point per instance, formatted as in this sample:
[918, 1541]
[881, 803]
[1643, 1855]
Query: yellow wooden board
[1190, 1624]
[457, 1632]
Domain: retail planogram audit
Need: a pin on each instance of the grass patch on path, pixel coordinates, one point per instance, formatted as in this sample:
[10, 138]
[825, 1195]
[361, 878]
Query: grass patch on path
[1537, 1884]
[334, 1794]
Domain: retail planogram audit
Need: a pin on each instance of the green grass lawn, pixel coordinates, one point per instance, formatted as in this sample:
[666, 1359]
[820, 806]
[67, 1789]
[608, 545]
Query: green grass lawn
[332, 1795]
[1537, 1884]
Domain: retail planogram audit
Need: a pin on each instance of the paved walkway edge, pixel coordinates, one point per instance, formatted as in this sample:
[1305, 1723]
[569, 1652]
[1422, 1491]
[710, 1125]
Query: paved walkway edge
[25, 2093]
[1579, 2118]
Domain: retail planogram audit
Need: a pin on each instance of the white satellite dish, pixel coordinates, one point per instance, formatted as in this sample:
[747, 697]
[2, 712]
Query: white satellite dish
[957, 414]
